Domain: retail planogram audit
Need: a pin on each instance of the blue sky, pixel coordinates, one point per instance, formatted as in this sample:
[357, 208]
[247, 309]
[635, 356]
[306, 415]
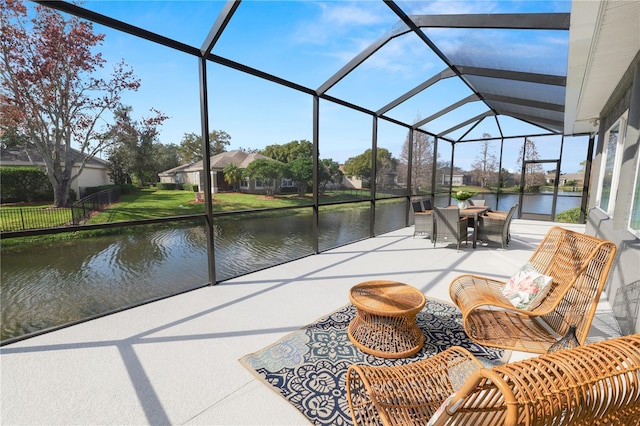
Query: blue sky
[306, 42]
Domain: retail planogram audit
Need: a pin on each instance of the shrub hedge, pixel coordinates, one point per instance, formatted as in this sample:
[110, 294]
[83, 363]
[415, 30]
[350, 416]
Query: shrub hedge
[124, 189]
[24, 184]
[179, 186]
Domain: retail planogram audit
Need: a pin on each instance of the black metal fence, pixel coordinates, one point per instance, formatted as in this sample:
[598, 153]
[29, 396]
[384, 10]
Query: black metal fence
[83, 209]
[18, 219]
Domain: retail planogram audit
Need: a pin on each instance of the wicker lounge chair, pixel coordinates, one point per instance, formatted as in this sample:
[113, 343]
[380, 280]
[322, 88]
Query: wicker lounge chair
[579, 265]
[595, 384]
[494, 227]
[449, 227]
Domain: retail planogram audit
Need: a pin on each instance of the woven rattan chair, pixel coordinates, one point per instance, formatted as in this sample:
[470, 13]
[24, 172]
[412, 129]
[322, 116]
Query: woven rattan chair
[449, 227]
[579, 265]
[422, 217]
[495, 227]
[477, 203]
[595, 384]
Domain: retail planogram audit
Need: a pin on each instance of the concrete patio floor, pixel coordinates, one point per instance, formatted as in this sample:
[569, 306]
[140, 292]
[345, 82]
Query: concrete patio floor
[176, 361]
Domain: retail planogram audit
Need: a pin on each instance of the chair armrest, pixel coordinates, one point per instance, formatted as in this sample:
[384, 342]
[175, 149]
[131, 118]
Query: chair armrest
[407, 393]
[469, 292]
[466, 289]
[496, 214]
[492, 221]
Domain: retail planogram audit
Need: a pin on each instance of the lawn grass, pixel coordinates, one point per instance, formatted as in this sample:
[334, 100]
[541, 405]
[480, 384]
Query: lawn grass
[151, 203]
[40, 215]
[157, 203]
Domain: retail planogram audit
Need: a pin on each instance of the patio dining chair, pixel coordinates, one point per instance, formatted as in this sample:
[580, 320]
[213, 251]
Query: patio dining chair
[578, 266]
[494, 227]
[476, 203]
[449, 227]
[422, 217]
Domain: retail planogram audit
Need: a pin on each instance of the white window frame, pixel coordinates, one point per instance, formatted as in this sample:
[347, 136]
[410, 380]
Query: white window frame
[621, 123]
[287, 183]
[635, 192]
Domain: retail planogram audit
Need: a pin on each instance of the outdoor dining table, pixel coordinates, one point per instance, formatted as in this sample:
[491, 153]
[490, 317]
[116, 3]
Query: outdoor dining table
[474, 212]
[471, 211]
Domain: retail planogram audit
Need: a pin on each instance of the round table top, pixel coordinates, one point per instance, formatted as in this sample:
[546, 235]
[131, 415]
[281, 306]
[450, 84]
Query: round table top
[390, 298]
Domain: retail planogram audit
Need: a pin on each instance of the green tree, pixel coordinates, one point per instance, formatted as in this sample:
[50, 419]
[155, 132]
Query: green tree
[506, 179]
[289, 151]
[233, 175]
[118, 166]
[301, 171]
[270, 172]
[191, 145]
[329, 171]
[51, 90]
[132, 146]
[166, 157]
[582, 164]
[360, 166]
[249, 150]
[10, 137]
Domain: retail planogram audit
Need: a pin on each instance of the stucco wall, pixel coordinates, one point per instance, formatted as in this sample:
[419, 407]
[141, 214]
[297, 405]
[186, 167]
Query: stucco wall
[90, 177]
[623, 286]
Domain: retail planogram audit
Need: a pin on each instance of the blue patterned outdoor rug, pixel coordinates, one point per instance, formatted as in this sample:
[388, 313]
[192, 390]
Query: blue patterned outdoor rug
[308, 367]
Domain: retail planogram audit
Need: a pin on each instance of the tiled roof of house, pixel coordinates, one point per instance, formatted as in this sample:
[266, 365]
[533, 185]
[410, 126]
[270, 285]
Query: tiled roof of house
[19, 157]
[220, 161]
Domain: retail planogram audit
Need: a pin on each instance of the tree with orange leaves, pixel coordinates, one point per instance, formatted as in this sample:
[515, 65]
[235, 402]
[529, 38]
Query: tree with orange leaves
[50, 96]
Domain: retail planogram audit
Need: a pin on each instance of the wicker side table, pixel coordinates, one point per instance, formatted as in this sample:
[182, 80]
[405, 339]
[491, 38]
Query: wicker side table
[385, 323]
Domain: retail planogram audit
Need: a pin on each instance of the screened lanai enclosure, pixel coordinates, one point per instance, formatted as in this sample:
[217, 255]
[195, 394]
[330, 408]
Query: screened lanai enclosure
[442, 95]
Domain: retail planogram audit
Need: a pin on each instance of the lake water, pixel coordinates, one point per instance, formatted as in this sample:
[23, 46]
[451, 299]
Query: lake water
[47, 285]
[537, 203]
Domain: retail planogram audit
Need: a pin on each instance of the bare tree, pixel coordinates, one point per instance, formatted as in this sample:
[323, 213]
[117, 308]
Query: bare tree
[533, 172]
[422, 160]
[485, 166]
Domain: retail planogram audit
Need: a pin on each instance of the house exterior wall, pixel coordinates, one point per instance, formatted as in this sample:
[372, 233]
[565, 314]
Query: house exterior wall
[90, 177]
[95, 172]
[623, 286]
[180, 177]
[456, 180]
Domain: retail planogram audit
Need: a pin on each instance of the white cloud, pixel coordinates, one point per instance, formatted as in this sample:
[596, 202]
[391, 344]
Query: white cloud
[341, 19]
[446, 7]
